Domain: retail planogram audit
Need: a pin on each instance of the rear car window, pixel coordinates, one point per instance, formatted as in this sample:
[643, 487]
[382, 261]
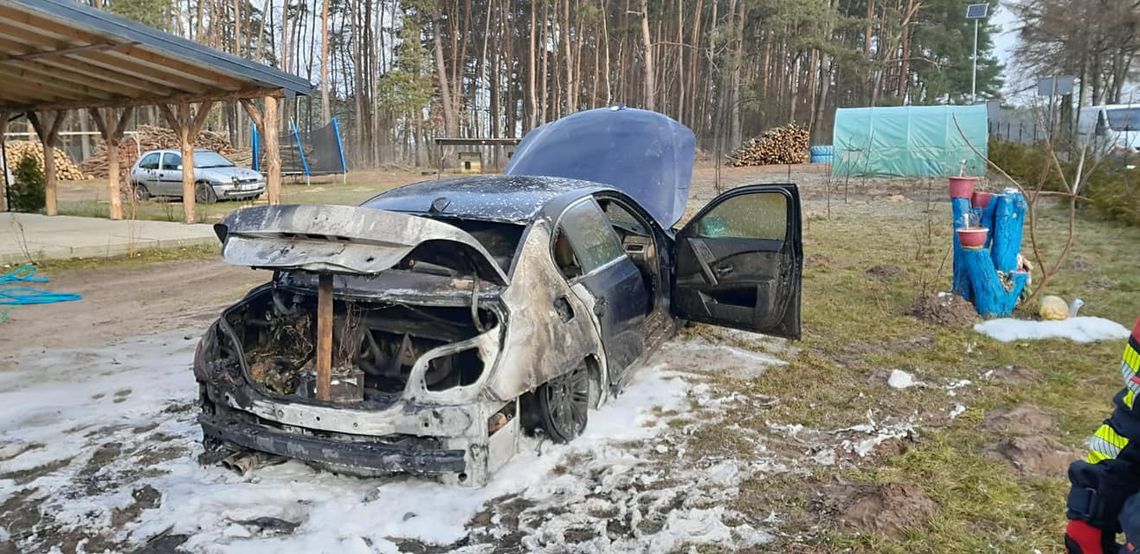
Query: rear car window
[171, 162]
[590, 235]
[500, 239]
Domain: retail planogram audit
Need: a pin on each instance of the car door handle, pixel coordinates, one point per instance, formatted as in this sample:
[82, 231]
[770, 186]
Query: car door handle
[724, 270]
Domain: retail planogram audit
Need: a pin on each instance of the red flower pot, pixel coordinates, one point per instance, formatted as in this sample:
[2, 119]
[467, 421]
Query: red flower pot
[962, 187]
[972, 237]
[981, 199]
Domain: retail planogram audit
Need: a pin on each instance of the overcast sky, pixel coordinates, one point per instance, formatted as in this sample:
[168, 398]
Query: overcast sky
[1003, 47]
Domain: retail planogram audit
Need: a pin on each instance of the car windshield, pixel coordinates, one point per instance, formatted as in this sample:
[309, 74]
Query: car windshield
[203, 160]
[1124, 119]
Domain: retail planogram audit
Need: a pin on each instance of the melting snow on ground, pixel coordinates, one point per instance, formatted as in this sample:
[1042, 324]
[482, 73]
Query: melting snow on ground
[900, 379]
[1079, 329]
[89, 428]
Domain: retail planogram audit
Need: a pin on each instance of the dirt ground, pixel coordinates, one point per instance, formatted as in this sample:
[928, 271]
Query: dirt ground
[121, 301]
[727, 440]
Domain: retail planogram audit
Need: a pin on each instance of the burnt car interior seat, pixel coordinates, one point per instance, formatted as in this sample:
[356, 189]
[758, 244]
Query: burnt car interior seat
[638, 244]
[565, 258]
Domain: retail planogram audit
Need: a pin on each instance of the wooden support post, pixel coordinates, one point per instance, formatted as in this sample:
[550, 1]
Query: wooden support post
[324, 336]
[3, 162]
[47, 129]
[112, 137]
[187, 126]
[272, 150]
[186, 144]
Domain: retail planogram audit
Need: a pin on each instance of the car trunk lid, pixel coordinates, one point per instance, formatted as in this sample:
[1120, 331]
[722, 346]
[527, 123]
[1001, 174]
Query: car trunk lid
[340, 240]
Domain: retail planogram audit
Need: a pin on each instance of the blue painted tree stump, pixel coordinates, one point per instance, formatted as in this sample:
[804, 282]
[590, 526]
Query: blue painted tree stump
[989, 275]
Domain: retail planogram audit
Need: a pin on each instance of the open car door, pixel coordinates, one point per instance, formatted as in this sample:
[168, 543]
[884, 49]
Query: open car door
[739, 262]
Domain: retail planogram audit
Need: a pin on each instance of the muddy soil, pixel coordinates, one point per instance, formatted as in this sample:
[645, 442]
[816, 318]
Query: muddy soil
[1034, 456]
[1021, 420]
[890, 509]
[949, 310]
[124, 300]
[1014, 375]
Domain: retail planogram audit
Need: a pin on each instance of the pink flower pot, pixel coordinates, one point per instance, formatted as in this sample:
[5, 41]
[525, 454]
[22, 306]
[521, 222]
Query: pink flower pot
[981, 199]
[972, 237]
[962, 187]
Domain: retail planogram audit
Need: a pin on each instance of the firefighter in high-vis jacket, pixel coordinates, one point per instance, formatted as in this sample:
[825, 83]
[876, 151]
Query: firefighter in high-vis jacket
[1105, 494]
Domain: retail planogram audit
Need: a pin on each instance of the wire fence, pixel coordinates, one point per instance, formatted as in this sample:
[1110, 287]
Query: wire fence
[1016, 131]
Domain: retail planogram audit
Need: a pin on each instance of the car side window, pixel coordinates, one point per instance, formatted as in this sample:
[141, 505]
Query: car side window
[623, 218]
[584, 240]
[170, 162]
[150, 161]
[750, 216]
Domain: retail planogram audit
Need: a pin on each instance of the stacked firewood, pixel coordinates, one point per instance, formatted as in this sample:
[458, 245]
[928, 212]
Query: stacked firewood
[65, 168]
[152, 138]
[781, 145]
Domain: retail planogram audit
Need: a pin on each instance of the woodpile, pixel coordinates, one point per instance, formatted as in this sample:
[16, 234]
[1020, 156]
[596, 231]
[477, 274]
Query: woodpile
[65, 168]
[154, 138]
[781, 145]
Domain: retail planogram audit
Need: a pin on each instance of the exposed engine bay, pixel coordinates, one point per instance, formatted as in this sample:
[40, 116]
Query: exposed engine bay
[375, 345]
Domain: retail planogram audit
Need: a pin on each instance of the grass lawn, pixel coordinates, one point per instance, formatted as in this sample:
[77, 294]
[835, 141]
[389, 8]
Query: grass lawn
[856, 332]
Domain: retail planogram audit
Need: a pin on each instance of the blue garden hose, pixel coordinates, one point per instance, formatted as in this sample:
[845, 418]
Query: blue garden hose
[13, 293]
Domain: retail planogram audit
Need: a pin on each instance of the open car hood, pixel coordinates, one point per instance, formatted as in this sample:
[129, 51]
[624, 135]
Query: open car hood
[644, 154]
[339, 239]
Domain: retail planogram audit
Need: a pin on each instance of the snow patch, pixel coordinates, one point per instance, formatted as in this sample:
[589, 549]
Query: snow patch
[1079, 329]
[900, 379]
[137, 397]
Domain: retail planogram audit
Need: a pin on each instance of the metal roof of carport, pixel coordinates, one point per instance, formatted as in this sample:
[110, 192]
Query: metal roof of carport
[60, 54]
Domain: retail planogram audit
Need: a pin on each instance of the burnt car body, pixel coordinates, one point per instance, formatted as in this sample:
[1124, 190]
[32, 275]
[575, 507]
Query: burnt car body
[469, 310]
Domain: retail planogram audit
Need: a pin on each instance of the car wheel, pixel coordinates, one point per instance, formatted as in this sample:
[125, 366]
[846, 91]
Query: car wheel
[561, 405]
[130, 192]
[141, 193]
[204, 194]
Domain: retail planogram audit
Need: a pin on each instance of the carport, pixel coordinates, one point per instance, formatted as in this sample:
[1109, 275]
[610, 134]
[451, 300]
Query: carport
[57, 56]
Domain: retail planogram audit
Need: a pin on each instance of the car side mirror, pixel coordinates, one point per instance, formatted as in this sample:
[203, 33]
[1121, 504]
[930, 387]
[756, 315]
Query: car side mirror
[179, 168]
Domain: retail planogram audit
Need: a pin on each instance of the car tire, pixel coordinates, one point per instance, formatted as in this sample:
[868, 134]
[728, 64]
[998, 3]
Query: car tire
[205, 194]
[560, 406]
[132, 192]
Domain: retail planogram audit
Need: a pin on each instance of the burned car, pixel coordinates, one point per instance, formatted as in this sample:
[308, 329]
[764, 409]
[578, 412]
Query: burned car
[454, 314]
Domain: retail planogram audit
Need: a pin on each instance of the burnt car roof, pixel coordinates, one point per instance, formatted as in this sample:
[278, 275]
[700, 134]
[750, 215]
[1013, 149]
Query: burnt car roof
[513, 199]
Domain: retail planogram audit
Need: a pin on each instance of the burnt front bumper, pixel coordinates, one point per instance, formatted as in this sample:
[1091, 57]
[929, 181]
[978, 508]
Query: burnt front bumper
[372, 455]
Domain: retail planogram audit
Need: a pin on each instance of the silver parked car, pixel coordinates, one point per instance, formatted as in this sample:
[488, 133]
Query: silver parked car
[159, 173]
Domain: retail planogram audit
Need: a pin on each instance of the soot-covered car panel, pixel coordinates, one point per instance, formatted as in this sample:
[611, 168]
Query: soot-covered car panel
[425, 330]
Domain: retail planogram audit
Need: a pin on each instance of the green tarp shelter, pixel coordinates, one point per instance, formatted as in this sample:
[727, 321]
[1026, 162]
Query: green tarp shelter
[909, 141]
